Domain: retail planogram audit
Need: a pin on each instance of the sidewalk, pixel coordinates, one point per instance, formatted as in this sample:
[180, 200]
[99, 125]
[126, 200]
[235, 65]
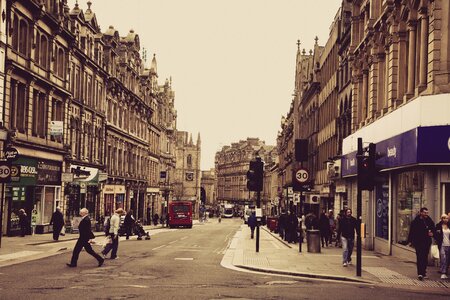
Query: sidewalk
[278, 257]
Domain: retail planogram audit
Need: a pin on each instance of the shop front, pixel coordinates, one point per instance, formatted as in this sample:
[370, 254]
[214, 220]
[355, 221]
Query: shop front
[114, 196]
[415, 171]
[35, 187]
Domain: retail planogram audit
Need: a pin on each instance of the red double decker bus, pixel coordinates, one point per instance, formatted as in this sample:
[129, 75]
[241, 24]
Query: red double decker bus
[180, 214]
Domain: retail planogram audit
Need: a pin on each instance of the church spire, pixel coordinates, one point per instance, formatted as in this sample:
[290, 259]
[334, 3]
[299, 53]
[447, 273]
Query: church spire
[198, 140]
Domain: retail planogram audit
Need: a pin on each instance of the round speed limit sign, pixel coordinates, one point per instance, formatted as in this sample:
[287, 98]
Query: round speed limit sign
[5, 171]
[302, 175]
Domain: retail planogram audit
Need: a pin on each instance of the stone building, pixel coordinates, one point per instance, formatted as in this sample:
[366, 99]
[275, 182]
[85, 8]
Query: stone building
[86, 115]
[186, 184]
[167, 117]
[400, 93]
[37, 93]
[232, 163]
[209, 184]
[269, 195]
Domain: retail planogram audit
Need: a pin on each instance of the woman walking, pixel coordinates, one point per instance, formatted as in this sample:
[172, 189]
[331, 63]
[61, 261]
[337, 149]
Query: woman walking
[443, 241]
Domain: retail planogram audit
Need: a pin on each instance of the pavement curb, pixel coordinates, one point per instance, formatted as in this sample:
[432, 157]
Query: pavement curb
[308, 275]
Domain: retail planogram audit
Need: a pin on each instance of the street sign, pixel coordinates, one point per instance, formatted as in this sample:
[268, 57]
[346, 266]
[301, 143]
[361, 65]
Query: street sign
[302, 175]
[5, 172]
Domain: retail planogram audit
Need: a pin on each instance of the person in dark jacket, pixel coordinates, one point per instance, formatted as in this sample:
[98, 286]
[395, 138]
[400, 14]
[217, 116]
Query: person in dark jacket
[324, 227]
[128, 223]
[292, 228]
[84, 240]
[282, 222]
[155, 219]
[23, 222]
[347, 228]
[58, 222]
[252, 223]
[420, 233]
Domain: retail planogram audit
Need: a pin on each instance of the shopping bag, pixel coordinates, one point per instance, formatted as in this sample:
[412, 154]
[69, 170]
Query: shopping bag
[435, 251]
[63, 231]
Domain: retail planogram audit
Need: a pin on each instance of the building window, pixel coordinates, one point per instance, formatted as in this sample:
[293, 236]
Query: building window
[60, 63]
[39, 114]
[189, 161]
[23, 37]
[409, 196]
[19, 106]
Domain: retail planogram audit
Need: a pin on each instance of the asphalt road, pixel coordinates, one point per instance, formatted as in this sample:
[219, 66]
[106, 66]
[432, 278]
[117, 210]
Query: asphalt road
[174, 264]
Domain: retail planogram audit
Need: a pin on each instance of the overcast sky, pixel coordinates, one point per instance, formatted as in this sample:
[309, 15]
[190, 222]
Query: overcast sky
[232, 62]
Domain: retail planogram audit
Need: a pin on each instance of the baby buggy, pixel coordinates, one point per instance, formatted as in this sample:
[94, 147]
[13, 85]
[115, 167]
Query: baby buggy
[139, 229]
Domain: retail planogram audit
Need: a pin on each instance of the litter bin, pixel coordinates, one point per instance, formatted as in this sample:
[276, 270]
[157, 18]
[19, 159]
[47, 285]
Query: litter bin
[272, 223]
[313, 240]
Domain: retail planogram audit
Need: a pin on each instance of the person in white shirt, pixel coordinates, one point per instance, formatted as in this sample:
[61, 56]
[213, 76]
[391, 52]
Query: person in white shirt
[443, 241]
[114, 224]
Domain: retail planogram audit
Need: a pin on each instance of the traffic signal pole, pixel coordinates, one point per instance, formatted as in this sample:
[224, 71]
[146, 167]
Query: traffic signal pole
[359, 159]
[258, 205]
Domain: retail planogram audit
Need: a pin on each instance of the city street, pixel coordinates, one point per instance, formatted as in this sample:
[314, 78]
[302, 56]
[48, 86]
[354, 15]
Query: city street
[174, 264]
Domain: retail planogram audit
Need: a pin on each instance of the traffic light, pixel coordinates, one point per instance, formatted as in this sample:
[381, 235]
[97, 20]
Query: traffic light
[367, 171]
[255, 175]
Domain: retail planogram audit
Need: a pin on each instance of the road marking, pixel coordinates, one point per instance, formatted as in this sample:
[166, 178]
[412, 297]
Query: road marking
[172, 242]
[137, 286]
[159, 247]
[184, 258]
[184, 237]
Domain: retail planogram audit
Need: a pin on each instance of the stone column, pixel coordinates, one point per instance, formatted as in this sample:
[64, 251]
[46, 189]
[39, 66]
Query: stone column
[411, 56]
[364, 99]
[423, 49]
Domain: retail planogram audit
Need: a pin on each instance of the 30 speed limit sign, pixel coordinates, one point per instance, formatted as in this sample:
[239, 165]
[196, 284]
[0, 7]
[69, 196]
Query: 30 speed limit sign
[302, 175]
[5, 171]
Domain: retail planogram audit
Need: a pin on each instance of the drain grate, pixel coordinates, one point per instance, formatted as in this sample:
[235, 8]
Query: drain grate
[392, 277]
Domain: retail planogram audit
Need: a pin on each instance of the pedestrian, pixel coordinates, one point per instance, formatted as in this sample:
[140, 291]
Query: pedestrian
[128, 223]
[338, 235]
[443, 241]
[155, 219]
[252, 223]
[324, 228]
[282, 222]
[420, 233]
[114, 223]
[347, 228]
[23, 222]
[332, 226]
[84, 240]
[58, 222]
[292, 225]
[162, 220]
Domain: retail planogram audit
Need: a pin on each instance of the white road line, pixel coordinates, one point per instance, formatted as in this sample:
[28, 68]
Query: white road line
[172, 242]
[18, 255]
[159, 247]
[137, 286]
[184, 237]
[184, 258]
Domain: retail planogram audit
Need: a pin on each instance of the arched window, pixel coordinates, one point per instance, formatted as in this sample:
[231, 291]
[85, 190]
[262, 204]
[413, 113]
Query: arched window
[23, 37]
[43, 60]
[15, 35]
[60, 62]
[189, 161]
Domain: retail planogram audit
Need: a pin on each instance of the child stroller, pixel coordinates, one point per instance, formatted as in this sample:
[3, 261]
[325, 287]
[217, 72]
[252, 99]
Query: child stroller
[139, 229]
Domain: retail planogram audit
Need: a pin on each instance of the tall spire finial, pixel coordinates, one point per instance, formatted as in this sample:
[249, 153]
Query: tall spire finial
[89, 3]
[298, 44]
[304, 51]
[310, 52]
[316, 39]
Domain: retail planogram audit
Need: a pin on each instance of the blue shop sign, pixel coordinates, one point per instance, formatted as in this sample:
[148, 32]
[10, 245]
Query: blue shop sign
[419, 145]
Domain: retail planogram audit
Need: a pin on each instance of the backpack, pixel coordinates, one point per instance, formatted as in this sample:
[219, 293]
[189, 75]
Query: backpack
[107, 225]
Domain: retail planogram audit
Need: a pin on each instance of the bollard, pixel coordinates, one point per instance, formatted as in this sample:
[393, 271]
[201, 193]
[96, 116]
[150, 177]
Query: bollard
[313, 240]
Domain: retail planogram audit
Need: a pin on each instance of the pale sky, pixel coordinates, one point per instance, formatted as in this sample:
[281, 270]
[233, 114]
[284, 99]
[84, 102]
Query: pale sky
[232, 62]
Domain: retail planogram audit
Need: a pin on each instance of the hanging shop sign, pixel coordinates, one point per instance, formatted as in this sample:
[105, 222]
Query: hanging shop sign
[11, 153]
[24, 171]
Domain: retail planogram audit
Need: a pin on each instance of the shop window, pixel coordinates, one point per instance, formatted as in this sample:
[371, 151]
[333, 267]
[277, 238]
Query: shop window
[410, 198]
[49, 200]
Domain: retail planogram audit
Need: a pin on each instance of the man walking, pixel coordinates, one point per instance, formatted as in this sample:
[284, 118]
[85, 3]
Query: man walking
[58, 222]
[114, 224]
[421, 231]
[347, 229]
[84, 240]
[252, 224]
